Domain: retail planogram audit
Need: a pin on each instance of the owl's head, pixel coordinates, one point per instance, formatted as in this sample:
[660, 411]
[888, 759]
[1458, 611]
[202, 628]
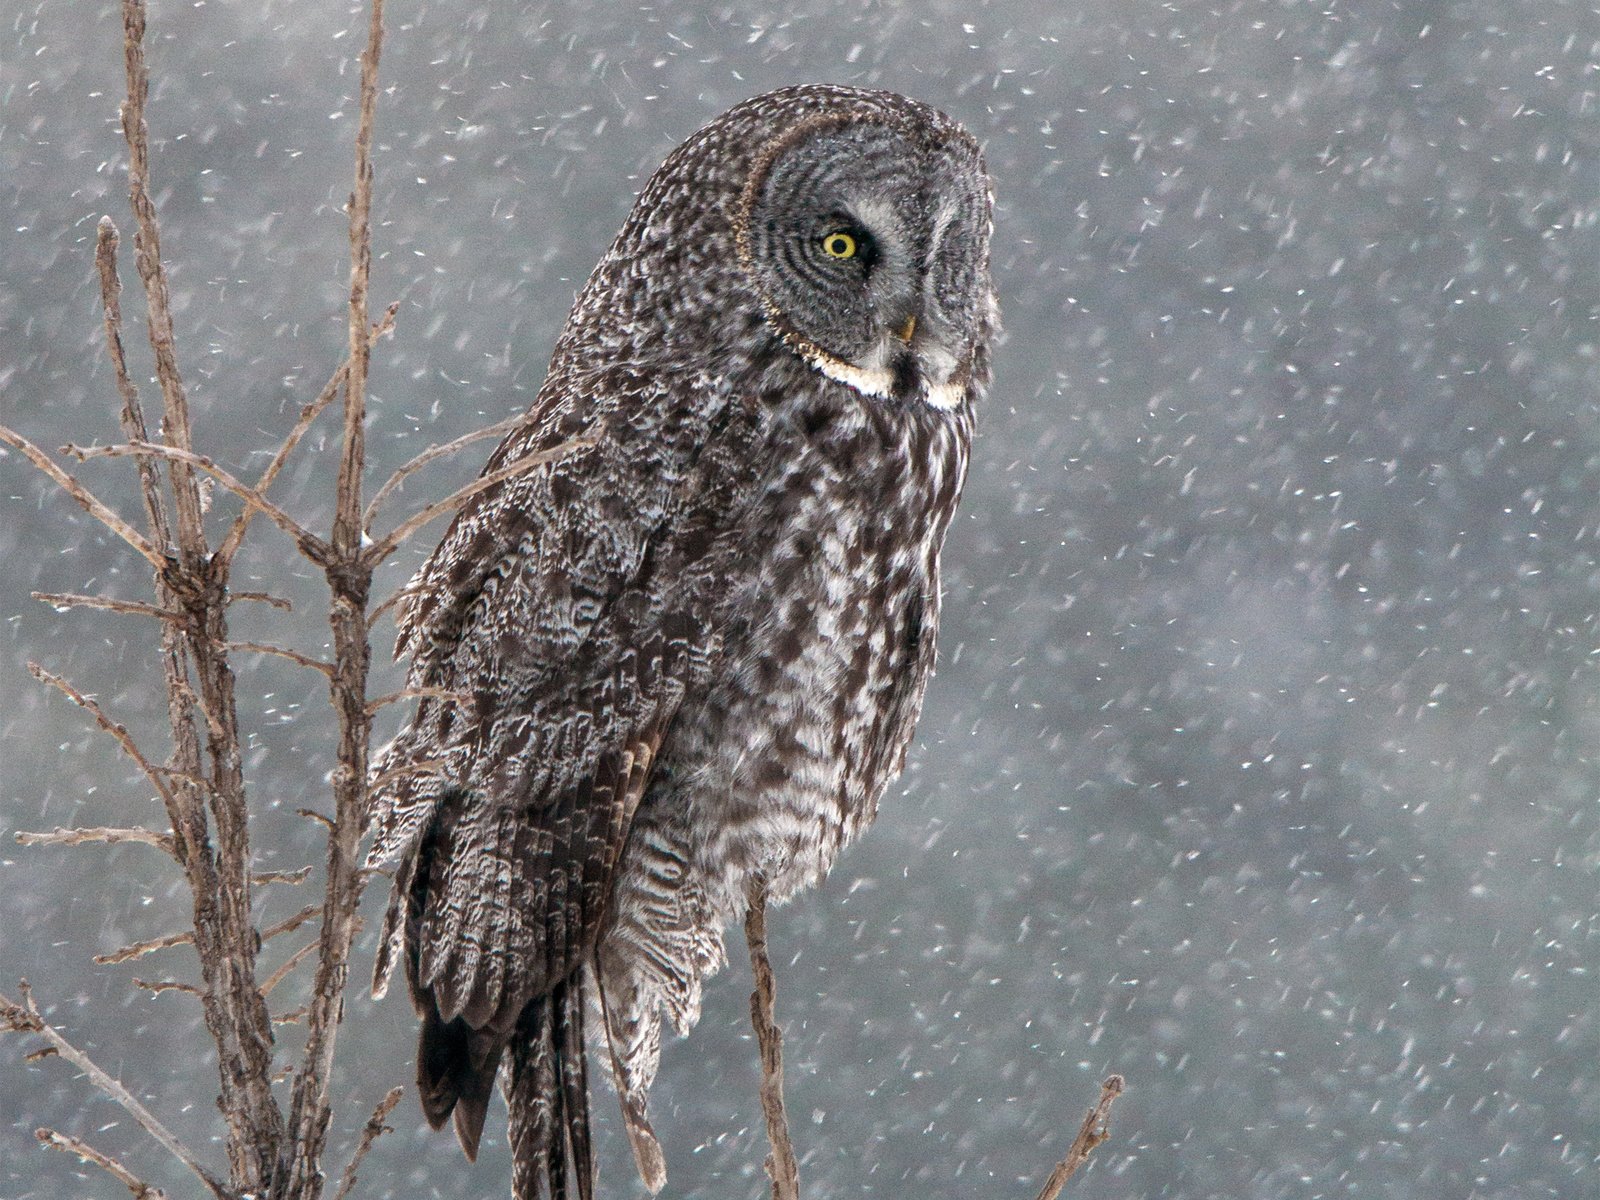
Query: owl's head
[848, 226]
[865, 229]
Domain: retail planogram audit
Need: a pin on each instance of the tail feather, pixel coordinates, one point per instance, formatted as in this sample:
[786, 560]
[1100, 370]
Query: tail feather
[573, 1067]
[547, 1095]
[456, 1068]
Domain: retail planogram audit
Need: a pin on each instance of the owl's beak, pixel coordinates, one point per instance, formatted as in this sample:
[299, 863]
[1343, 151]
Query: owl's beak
[906, 331]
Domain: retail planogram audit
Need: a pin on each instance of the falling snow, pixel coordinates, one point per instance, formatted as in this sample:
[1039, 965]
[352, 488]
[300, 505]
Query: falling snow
[1263, 762]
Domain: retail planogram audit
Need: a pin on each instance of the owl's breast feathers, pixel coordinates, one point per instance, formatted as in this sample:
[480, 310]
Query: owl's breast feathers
[720, 614]
[829, 636]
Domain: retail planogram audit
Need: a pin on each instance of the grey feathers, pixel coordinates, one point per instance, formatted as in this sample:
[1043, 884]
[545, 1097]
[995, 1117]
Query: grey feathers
[694, 652]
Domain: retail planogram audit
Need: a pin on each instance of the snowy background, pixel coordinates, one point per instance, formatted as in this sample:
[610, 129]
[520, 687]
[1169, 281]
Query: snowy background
[1261, 762]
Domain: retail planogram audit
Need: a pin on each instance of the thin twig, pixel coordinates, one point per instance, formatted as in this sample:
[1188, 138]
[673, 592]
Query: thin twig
[132, 416]
[418, 693]
[185, 937]
[140, 949]
[374, 1129]
[290, 963]
[90, 503]
[99, 835]
[153, 274]
[294, 656]
[433, 453]
[308, 415]
[271, 601]
[378, 611]
[309, 543]
[292, 878]
[1090, 1134]
[25, 1018]
[293, 1017]
[381, 550]
[71, 1145]
[135, 607]
[291, 923]
[167, 985]
[781, 1166]
[120, 732]
[213, 723]
[427, 766]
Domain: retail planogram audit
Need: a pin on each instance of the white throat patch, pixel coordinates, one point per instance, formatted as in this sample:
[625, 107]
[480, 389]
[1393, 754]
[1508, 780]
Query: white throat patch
[879, 381]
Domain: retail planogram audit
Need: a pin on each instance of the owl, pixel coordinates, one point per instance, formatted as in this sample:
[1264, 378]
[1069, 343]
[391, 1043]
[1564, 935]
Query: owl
[687, 657]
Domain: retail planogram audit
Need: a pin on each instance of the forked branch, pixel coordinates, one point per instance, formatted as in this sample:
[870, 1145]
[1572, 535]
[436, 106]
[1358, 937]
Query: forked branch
[433, 453]
[309, 543]
[86, 500]
[308, 415]
[25, 1018]
[87, 1153]
[98, 835]
[156, 777]
[371, 1132]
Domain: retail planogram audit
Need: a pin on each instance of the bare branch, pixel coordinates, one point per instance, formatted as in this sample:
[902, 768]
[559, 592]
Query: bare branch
[309, 543]
[418, 693]
[349, 575]
[71, 1145]
[132, 416]
[1090, 1134]
[98, 836]
[167, 985]
[186, 937]
[120, 732]
[427, 766]
[308, 415]
[213, 722]
[135, 607]
[292, 878]
[218, 869]
[25, 1018]
[376, 553]
[277, 602]
[313, 815]
[153, 274]
[90, 503]
[399, 595]
[291, 923]
[347, 527]
[290, 963]
[293, 1017]
[781, 1166]
[294, 656]
[433, 453]
[140, 949]
[375, 1128]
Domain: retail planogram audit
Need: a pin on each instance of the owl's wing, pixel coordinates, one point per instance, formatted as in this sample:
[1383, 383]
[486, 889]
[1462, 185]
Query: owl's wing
[571, 608]
[529, 569]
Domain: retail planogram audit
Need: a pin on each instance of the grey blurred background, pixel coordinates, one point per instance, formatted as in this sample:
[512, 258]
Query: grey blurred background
[1260, 765]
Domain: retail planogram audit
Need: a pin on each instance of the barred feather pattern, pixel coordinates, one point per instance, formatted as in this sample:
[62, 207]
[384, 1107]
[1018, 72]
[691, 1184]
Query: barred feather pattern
[693, 653]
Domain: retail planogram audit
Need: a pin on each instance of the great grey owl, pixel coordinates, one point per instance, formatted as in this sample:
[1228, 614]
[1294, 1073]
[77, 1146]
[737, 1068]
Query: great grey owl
[689, 656]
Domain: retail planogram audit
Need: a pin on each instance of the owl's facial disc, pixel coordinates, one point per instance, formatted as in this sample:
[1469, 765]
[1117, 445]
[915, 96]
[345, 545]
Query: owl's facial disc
[869, 244]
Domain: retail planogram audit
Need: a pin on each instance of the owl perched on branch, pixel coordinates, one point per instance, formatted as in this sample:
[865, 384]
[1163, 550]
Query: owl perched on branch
[690, 656]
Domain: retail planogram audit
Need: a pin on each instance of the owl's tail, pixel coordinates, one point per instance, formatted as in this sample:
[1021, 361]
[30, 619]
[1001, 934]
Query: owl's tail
[547, 1093]
[546, 1089]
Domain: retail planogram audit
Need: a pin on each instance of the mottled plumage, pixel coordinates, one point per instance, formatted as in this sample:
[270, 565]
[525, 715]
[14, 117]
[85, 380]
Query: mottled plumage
[693, 653]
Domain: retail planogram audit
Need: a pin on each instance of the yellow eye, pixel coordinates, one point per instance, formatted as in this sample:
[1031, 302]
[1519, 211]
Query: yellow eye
[839, 244]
